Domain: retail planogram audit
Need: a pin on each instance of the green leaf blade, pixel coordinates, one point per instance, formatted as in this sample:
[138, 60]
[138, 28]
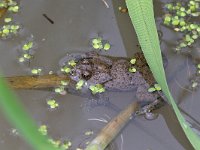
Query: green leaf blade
[16, 114]
[142, 17]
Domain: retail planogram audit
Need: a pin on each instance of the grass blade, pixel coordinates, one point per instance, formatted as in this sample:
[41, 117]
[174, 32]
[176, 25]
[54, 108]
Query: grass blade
[142, 17]
[16, 114]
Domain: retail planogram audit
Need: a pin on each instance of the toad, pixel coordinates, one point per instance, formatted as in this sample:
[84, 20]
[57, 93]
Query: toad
[114, 74]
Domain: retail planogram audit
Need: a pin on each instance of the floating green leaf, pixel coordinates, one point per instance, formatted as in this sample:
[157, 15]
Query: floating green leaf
[106, 46]
[72, 63]
[67, 69]
[80, 84]
[157, 87]
[98, 88]
[7, 20]
[27, 46]
[198, 66]
[52, 103]
[152, 89]
[43, 129]
[133, 61]
[36, 71]
[132, 70]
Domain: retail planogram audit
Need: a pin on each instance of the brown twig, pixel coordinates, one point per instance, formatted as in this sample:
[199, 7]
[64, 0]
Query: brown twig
[111, 130]
[36, 82]
[3, 10]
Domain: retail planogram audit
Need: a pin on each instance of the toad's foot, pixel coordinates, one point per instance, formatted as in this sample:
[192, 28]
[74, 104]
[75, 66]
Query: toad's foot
[151, 116]
[147, 109]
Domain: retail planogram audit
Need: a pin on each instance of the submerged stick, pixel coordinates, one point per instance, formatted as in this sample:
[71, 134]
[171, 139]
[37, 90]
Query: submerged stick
[3, 10]
[36, 82]
[111, 130]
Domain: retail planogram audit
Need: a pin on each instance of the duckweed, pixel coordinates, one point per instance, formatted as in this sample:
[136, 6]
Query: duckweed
[106, 46]
[133, 61]
[194, 84]
[27, 46]
[64, 83]
[58, 144]
[7, 20]
[198, 68]
[178, 17]
[60, 89]
[80, 84]
[72, 63]
[97, 40]
[13, 9]
[66, 69]
[52, 103]
[98, 88]
[10, 29]
[55, 143]
[7, 30]
[3, 4]
[156, 87]
[151, 89]
[21, 59]
[132, 70]
[50, 72]
[36, 71]
[66, 145]
[98, 44]
[14, 131]
[43, 129]
[12, 3]
[27, 56]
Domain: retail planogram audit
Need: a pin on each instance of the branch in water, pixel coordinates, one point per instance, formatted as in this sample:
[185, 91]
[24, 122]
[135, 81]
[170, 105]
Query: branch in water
[111, 130]
[37, 82]
[3, 10]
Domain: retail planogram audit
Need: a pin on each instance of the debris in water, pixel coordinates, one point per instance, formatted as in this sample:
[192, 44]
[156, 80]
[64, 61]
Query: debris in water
[105, 3]
[123, 10]
[50, 20]
[52, 103]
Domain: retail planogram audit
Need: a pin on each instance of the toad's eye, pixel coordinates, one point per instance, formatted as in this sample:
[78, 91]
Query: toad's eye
[86, 75]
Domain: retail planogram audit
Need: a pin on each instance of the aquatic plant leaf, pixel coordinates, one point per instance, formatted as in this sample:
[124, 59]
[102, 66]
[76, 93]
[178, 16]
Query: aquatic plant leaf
[142, 17]
[16, 114]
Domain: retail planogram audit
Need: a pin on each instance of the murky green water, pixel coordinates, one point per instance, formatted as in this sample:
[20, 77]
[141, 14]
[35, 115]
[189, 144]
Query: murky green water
[75, 23]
